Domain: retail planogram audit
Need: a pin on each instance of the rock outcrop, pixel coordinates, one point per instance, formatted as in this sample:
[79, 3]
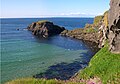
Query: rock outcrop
[82, 34]
[103, 30]
[96, 32]
[114, 26]
[45, 29]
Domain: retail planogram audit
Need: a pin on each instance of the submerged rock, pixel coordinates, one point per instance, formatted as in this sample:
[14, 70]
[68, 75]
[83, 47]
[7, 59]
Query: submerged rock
[45, 28]
[17, 29]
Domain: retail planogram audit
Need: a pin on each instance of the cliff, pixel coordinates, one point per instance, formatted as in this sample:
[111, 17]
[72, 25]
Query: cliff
[114, 26]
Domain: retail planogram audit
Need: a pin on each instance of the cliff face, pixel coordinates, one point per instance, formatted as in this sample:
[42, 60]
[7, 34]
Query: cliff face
[114, 26]
[103, 30]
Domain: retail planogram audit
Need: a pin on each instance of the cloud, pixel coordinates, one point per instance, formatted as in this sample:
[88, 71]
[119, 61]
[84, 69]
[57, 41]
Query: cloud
[77, 14]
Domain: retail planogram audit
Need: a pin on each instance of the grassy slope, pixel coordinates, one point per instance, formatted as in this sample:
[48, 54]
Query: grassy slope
[104, 65]
[39, 81]
[32, 81]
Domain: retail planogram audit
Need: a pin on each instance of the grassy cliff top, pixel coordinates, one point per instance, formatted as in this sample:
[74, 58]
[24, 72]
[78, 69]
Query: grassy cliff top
[104, 65]
[100, 18]
[43, 21]
[97, 19]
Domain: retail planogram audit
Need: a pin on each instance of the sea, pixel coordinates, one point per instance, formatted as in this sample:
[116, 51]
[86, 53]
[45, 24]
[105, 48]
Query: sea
[24, 55]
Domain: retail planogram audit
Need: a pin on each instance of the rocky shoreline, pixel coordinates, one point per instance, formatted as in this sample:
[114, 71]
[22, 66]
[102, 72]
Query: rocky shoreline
[105, 27]
[81, 34]
[94, 33]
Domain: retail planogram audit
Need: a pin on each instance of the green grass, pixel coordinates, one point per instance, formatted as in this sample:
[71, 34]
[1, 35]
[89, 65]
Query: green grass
[104, 65]
[90, 30]
[42, 21]
[40, 81]
[33, 81]
[97, 19]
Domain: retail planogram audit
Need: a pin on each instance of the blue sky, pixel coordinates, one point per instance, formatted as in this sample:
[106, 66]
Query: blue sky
[53, 8]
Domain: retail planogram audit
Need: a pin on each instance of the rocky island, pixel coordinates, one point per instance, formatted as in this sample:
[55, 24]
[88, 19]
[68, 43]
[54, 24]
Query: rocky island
[45, 29]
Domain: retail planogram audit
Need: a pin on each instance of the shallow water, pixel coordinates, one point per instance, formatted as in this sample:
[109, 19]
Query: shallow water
[24, 55]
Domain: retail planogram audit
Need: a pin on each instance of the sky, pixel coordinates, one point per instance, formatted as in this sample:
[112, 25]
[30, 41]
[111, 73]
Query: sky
[52, 8]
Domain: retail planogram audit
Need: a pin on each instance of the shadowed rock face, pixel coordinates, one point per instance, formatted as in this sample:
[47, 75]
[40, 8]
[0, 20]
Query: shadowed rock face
[45, 29]
[114, 26]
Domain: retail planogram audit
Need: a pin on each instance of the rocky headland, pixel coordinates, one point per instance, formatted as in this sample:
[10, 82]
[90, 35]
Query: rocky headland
[95, 33]
[45, 29]
[105, 27]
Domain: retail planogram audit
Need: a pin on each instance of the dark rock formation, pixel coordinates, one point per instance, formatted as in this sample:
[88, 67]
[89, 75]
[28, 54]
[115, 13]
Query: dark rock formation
[45, 29]
[81, 34]
[114, 26]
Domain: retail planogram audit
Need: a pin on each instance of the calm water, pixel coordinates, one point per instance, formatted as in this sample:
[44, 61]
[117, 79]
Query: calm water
[24, 55]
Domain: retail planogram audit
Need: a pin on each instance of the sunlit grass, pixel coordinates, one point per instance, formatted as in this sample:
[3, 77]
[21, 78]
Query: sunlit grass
[104, 65]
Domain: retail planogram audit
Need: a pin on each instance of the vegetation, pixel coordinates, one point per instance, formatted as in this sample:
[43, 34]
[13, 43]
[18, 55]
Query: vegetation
[97, 19]
[105, 18]
[33, 81]
[104, 65]
[90, 30]
[40, 81]
[42, 21]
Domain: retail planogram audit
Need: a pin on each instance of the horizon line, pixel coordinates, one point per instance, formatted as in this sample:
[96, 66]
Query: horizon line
[49, 17]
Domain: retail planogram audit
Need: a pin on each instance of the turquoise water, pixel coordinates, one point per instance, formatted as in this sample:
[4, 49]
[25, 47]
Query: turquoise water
[24, 55]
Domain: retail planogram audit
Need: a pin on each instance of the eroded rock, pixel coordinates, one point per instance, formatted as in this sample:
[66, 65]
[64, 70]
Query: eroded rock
[114, 26]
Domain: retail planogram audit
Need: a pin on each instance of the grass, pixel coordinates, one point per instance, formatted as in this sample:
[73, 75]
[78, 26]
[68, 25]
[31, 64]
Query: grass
[97, 19]
[105, 18]
[33, 81]
[104, 65]
[42, 21]
[40, 81]
[90, 30]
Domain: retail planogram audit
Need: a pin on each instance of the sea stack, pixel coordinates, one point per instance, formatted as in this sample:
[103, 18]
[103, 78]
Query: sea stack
[45, 29]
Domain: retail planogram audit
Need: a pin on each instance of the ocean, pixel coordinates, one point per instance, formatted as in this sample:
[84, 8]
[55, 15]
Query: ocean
[24, 55]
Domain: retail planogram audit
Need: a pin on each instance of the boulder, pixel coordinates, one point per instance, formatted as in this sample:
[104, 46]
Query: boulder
[45, 29]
